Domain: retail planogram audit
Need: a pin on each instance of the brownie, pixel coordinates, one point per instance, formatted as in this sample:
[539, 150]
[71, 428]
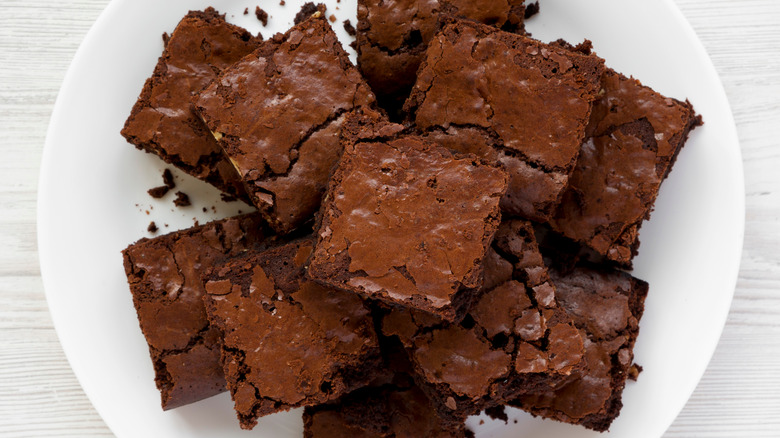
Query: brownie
[405, 221]
[530, 103]
[392, 410]
[162, 121]
[277, 115]
[392, 38]
[515, 340]
[288, 342]
[606, 307]
[634, 137]
[164, 274]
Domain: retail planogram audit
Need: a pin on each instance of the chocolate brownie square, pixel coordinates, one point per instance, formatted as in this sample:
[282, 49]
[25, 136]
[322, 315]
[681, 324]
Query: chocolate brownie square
[277, 115]
[634, 137]
[606, 307]
[515, 340]
[392, 38]
[529, 101]
[405, 221]
[162, 122]
[392, 410]
[288, 342]
[164, 274]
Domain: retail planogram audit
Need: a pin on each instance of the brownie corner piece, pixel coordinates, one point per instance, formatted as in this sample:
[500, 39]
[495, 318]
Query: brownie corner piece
[288, 342]
[407, 222]
[606, 306]
[164, 276]
[161, 121]
[305, 83]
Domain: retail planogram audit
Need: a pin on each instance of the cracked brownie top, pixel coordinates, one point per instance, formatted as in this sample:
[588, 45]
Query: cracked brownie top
[393, 35]
[288, 342]
[162, 121]
[606, 307]
[514, 340]
[527, 100]
[634, 137]
[405, 221]
[164, 274]
[277, 114]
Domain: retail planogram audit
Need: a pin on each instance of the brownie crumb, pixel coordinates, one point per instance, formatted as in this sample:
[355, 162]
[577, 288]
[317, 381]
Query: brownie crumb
[168, 178]
[332, 18]
[282, 3]
[307, 10]
[152, 228]
[350, 28]
[261, 15]
[196, 223]
[531, 9]
[182, 200]
[353, 44]
[165, 38]
[166, 225]
[246, 11]
[205, 210]
[634, 371]
[497, 413]
[227, 198]
[158, 192]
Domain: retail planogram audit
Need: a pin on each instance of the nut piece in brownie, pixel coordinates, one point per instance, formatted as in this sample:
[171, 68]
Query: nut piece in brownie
[634, 137]
[277, 115]
[392, 38]
[606, 307]
[393, 410]
[164, 274]
[529, 102]
[515, 340]
[162, 121]
[405, 221]
[288, 342]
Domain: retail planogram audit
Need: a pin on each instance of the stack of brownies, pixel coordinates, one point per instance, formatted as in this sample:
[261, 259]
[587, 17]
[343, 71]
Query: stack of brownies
[441, 230]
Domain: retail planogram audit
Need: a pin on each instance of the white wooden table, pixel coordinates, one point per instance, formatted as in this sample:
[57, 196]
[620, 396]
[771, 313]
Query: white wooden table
[739, 396]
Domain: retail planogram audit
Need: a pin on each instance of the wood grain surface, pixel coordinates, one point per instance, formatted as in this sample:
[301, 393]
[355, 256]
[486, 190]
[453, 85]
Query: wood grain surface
[739, 396]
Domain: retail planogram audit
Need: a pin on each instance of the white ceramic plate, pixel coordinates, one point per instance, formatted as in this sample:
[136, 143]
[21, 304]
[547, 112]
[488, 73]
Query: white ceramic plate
[93, 203]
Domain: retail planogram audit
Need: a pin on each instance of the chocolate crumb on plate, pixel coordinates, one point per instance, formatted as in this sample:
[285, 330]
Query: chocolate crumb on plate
[182, 200]
[531, 9]
[158, 192]
[246, 11]
[261, 15]
[152, 228]
[167, 177]
[349, 28]
[307, 10]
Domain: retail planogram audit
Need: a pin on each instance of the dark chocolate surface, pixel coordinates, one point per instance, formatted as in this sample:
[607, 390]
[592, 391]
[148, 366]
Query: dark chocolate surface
[606, 307]
[405, 221]
[635, 135]
[393, 35]
[162, 122]
[278, 117]
[164, 274]
[515, 339]
[529, 102]
[388, 411]
[288, 342]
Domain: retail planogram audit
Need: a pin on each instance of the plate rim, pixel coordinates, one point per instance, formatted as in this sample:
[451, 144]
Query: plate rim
[42, 219]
